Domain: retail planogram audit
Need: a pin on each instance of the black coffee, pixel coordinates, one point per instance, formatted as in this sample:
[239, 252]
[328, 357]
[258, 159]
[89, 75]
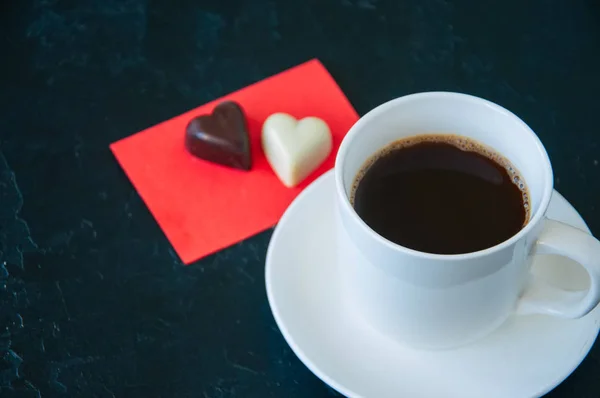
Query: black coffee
[441, 194]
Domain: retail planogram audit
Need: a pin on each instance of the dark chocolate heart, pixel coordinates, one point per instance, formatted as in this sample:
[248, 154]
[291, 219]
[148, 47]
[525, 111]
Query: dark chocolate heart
[221, 137]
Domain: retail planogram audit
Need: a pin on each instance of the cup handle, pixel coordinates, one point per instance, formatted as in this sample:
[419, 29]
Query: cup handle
[542, 298]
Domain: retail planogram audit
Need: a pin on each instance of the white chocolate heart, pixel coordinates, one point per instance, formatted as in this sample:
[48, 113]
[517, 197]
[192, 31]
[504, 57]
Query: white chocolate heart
[293, 148]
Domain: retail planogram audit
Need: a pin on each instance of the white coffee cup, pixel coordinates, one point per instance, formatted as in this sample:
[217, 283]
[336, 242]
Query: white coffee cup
[437, 301]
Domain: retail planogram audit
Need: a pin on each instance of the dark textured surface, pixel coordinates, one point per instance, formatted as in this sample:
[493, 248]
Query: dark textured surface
[93, 302]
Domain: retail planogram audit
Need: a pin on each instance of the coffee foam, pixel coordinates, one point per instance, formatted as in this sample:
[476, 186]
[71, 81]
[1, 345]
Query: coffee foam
[463, 143]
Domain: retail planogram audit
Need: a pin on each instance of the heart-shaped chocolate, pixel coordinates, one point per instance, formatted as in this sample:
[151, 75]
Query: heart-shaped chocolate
[295, 148]
[221, 137]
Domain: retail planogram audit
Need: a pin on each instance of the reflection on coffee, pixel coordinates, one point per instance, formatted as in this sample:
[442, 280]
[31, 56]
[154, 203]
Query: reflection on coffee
[442, 194]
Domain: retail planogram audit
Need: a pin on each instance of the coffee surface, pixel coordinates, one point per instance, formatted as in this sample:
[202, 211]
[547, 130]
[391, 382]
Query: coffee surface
[441, 194]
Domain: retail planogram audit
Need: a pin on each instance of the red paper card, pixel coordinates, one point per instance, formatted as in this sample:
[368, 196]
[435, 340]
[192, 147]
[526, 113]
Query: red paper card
[202, 207]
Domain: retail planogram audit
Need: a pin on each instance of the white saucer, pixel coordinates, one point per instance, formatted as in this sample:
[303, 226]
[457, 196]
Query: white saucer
[526, 357]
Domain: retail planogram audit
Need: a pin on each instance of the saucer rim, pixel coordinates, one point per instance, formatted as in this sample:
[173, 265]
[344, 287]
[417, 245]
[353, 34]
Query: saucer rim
[280, 324]
[300, 353]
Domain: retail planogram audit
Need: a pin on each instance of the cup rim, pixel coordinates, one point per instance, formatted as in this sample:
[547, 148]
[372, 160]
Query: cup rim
[365, 119]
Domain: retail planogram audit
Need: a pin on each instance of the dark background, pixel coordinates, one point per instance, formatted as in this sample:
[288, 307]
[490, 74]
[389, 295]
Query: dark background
[93, 301]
